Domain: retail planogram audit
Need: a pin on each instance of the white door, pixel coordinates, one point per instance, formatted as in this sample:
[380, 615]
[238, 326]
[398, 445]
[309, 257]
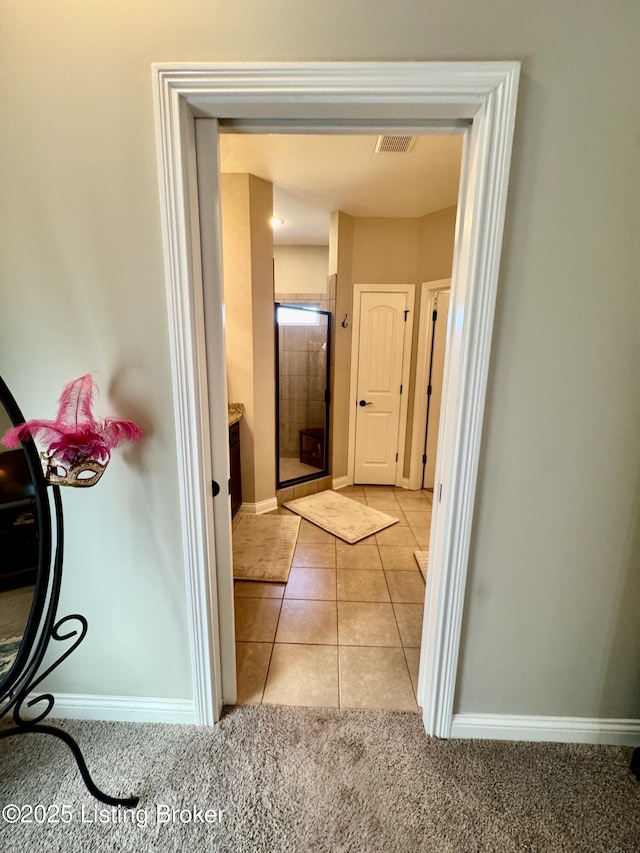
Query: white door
[383, 352]
[435, 382]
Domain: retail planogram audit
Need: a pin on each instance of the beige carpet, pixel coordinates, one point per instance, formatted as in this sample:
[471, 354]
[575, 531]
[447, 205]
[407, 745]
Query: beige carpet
[422, 559]
[263, 547]
[311, 780]
[345, 518]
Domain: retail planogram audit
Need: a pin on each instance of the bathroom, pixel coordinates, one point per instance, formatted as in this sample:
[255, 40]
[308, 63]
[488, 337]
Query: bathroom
[345, 609]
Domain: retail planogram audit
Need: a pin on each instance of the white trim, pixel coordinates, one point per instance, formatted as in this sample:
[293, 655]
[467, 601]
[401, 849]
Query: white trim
[485, 92]
[175, 140]
[358, 290]
[404, 483]
[259, 508]
[126, 709]
[425, 331]
[339, 483]
[546, 729]
[207, 192]
[478, 242]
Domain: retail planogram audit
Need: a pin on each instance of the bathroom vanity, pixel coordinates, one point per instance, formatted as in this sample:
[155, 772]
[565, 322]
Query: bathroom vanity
[235, 477]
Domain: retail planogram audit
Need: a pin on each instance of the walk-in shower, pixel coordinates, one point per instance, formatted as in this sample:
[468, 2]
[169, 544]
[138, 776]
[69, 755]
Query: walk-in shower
[303, 342]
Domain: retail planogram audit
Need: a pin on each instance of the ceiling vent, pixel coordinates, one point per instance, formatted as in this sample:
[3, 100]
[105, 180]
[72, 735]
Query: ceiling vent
[395, 144]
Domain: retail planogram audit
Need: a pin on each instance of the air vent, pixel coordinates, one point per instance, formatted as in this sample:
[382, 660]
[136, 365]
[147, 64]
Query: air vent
[394, 144]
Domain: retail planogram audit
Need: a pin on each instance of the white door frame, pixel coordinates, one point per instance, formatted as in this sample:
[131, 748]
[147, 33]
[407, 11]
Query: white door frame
[428, 289]
[390, 94]
[359, 289]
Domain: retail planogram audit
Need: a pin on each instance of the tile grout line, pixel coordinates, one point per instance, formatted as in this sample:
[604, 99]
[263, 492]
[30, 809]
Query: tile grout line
[401, 511]
[273, 645]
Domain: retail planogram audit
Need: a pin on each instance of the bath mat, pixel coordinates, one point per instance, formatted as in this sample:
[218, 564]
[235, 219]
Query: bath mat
[422, 559]
[347, 519]
[263, 547]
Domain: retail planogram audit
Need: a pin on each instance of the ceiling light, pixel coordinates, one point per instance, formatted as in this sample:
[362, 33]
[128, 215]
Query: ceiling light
[276, 221]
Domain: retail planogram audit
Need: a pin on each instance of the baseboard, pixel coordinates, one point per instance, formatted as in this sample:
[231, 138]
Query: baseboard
[339, 483]
[129, 709]
[404, 483]
[260, 507]
[551, 729]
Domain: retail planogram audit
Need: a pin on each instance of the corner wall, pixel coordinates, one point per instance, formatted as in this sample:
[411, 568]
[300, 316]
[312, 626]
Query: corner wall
[247, 240]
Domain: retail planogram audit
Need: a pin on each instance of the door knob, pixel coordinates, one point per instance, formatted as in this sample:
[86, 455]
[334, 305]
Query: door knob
[364, 403]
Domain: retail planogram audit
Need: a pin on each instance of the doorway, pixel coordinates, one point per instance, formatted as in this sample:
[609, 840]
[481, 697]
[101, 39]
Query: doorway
[303, 361]
[480, 95]
[438, 308]
[315, 616]
[380, 370]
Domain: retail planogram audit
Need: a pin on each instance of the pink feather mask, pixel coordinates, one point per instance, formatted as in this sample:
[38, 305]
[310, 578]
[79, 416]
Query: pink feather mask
[77, 445]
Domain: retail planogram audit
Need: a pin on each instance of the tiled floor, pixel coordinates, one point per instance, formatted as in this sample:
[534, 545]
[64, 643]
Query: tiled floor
[290, 468]
[345, 630]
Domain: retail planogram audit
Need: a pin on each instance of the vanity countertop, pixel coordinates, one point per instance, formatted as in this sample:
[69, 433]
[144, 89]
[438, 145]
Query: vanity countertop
[236, 410]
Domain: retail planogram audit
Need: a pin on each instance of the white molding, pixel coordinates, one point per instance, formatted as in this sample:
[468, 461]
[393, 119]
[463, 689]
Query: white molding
[404, 483]
[339, 483]
[425, 331]
[208, 215]
[259, 508]
[175, 141]
[482, 201]
[395, 91]
[546, 729]
[127, 709]
[326, 92]
[358, 289]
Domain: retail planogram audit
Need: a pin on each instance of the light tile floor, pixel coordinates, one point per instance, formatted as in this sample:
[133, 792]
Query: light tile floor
[345, 630]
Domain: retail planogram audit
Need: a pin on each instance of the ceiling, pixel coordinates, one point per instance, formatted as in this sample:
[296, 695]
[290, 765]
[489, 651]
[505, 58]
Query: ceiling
[315, 175]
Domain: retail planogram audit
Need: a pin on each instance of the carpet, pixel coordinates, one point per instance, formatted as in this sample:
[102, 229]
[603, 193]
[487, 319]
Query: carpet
[307, 780]
[345, 518]
[422, 559]
[263, 547]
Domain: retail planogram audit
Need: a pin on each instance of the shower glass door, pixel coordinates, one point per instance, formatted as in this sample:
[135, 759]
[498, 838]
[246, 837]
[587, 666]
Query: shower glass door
[303, 342]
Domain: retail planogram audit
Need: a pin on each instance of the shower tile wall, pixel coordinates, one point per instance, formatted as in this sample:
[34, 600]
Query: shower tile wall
[302, 372]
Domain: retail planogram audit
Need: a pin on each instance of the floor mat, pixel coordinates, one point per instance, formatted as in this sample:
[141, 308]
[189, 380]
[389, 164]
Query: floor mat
[263, 547]
[345, 518]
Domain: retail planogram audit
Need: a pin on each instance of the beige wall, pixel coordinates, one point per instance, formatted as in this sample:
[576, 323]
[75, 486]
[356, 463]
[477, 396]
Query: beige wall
[247, 204]
[301, 269]
[340, 265]
[551, 621]
[437, 233]
[379, 250]
[385, 251]
[435, 260]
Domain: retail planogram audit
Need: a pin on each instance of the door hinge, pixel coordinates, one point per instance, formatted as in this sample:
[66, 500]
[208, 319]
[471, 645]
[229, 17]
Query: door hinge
[396, 457]
[424, 459]
[229, 485]
[406, 314]
[401, 389]
[434, 316]
[429, 390]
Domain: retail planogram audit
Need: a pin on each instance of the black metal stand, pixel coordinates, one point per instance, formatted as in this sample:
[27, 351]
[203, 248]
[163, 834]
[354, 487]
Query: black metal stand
[635, 763]
[27, 726]
[82, 765]
[29, 678]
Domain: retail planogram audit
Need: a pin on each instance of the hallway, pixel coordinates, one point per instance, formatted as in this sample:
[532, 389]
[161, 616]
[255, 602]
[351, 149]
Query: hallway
[345, 630]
